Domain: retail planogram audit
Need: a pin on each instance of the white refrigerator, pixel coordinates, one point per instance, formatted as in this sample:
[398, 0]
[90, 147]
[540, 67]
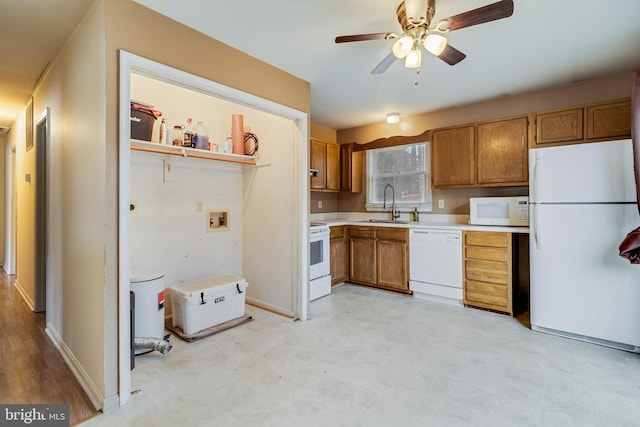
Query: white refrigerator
[582, 205]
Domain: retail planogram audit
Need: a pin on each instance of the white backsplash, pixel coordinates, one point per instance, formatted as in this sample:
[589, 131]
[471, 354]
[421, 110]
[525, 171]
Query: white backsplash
[428, 218]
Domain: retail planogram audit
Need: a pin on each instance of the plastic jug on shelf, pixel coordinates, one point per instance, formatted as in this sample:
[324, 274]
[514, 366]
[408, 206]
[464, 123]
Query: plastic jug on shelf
[200, 136]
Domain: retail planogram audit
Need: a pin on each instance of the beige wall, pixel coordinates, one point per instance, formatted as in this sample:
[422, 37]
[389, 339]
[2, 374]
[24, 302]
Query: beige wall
[3, 196]
[74, 90]
[323, 132]
[81, 88]
[10, 206]
[610, 87]
[136, 29]
[456, 200]
[25, 210]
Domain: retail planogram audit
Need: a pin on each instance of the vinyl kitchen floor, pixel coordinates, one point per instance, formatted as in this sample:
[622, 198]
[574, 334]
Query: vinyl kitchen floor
[371, 358]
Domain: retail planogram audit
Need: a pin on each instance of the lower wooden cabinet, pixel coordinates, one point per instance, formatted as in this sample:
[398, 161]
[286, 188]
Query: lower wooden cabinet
[378, 256]
[338, 256]
[392, 259]
[362, 255]
[488, 275]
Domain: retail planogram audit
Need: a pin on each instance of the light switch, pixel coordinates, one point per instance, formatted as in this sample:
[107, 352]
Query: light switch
[199, 206]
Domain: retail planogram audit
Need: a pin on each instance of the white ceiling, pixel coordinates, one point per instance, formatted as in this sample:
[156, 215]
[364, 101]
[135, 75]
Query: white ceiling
[32, 32]
[545, 43]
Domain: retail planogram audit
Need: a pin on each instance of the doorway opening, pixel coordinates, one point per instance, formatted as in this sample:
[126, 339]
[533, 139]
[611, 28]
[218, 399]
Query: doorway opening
[42, 140]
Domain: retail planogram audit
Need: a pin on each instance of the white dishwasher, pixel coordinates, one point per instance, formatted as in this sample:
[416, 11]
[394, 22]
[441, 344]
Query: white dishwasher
[435, 264]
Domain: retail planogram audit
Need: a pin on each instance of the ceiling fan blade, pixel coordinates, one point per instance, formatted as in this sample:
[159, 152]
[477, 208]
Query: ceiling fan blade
[491, 12]
[386, 63]
[361, 37]
[451, 55]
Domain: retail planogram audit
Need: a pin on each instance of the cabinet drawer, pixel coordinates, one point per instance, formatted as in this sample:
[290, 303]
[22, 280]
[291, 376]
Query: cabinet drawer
[364, 232]
[392, 234]
[487, 254]
[486, 295]
[487, 238]
[487, 271]
[336, 231]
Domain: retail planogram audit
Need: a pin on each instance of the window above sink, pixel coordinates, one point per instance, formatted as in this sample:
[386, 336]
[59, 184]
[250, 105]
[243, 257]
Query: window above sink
[406, 169]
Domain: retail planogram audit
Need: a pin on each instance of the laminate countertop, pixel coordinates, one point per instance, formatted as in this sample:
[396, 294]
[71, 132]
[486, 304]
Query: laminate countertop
[422, 225]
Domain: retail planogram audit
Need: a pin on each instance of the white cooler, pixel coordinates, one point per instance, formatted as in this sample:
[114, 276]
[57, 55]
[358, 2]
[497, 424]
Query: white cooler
[204, 303]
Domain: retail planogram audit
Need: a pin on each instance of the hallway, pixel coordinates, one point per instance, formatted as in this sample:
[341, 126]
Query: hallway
[32, 371]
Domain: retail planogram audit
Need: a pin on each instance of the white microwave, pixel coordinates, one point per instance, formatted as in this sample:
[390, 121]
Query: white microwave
[509, 211]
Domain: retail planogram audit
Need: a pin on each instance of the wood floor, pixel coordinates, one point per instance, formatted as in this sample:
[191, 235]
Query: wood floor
[32, 371]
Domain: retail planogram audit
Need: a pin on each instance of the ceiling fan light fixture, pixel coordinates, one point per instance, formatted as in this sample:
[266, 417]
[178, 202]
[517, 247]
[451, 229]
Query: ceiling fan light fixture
[393, 118]
[402, 46]
[435, 43]
[414, 58]
[416, 10]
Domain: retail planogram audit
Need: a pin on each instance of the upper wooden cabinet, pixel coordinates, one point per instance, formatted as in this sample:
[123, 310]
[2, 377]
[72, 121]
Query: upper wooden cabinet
[560, 126]
[333, 167]
[325, 158]
[453, 157]
[487, 154]
[350, 169]
[318, 159]
[502, 149]
[609, 120]
[584, 123]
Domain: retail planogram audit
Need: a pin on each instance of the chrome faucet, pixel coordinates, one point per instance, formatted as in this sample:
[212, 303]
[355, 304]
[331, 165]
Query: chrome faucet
[394, 214]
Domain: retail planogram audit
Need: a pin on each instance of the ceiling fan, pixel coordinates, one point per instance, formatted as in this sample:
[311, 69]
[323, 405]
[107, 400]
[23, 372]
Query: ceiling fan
[415, 18]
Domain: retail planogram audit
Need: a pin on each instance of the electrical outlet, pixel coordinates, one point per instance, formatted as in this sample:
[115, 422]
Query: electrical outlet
[319, 204]
[199, 206]
[441, 203]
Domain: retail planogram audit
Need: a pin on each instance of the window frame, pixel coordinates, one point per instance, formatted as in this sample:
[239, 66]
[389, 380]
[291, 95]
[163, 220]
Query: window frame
[377, 206]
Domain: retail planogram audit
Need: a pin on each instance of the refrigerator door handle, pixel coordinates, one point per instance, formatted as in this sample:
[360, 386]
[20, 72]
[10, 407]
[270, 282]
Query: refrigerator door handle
[537, 164]
[537, 234]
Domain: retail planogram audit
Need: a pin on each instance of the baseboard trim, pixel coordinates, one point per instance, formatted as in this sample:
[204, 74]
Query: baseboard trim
[269, 307]
[24, 294]
[96, 397]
